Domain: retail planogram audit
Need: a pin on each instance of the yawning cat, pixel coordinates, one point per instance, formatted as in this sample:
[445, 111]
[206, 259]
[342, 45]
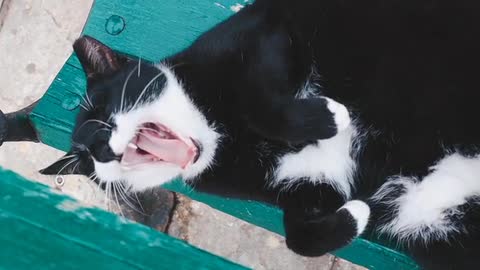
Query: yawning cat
[349, 115]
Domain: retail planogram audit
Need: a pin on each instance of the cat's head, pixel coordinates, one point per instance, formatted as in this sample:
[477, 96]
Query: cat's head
[137, 123]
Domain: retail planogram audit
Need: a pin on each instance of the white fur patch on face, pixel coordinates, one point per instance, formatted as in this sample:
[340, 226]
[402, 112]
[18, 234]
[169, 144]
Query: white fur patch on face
[150, 176]
[360, 212]
[424, 210]
[174, 109]
[108, 171]
[329, 161]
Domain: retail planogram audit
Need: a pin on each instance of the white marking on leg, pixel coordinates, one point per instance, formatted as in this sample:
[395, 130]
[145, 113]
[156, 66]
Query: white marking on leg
[360, 212]
[340, 114]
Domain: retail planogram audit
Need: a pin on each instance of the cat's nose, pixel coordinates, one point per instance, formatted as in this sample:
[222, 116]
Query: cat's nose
[118, 157]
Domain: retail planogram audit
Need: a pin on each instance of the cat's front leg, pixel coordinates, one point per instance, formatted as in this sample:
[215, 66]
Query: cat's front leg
[297, 120]
[318, 219]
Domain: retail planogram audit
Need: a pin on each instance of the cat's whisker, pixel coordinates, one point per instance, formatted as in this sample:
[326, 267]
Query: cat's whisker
[176, 65]
[107, 195]
[128, 191]
[115, 186]
[66, 165]
[129, 203]
[82, 146]
[139, 66]
[87, 105]
[125, 196]
[89, 100]
[84, 107]
[101, 122]
[125, 87]
[92, 175]
[76, 166]
[124, 190]
[98, 130]
[66, 157]
[145, 89]
[93, 120]
[138, 201]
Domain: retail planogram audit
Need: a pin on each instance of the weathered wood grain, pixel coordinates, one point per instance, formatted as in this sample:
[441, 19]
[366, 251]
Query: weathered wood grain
[153, 30]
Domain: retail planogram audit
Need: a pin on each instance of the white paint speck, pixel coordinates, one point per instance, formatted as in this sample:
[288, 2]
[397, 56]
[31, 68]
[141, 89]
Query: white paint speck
[237, 7]
[31, 193]
[220, 5]
[69, 206]
[85, 214]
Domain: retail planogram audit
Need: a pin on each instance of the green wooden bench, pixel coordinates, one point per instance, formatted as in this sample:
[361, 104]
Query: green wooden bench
[153, 30]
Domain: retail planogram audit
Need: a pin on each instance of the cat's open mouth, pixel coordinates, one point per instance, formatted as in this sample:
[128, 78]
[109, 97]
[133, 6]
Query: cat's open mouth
[155, 142]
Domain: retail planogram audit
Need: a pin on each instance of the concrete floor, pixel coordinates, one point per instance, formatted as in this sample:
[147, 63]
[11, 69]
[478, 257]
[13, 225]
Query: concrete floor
[35, 41]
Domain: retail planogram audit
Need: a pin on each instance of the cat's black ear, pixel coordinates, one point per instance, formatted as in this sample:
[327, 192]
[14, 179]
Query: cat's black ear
[96, 58]
[68, 164]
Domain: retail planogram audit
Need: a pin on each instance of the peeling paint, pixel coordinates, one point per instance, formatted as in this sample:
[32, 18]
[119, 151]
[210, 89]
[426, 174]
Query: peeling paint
[31, 193]
[69, 205]
[237, 7]
[85, 215]
[77, 208]
[220, 5]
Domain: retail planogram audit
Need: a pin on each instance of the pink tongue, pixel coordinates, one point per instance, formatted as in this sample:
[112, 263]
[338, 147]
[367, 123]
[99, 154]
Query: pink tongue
[169, 150]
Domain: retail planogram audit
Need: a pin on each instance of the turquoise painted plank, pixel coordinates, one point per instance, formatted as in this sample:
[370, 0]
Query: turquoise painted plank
[153, 30]
[42, 229]
[156, 29]
[54, 116]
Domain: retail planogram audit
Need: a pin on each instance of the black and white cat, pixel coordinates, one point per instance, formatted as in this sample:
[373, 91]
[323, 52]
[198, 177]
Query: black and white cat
[257, 108]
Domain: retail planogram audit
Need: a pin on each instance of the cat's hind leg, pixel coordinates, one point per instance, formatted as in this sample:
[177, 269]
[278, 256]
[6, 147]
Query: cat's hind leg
[436, 218]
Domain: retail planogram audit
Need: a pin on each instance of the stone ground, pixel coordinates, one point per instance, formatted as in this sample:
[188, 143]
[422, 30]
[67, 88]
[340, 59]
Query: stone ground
[35, 41]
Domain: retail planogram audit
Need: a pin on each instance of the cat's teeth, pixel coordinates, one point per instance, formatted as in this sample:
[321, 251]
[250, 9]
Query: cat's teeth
[132, 145]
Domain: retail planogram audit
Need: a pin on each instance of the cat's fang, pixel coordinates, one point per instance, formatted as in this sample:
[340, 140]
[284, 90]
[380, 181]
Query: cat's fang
[132, 145]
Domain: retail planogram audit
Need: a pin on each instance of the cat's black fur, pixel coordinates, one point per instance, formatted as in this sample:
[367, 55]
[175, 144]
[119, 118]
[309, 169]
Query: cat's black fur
[406, 70]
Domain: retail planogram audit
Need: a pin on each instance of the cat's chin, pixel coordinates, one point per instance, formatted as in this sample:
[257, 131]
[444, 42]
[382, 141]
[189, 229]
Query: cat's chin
[144, 176]
[151, 175]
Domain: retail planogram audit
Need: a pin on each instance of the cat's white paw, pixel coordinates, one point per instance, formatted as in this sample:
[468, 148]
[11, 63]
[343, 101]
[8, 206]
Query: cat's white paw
[340, 114]
[360, 212]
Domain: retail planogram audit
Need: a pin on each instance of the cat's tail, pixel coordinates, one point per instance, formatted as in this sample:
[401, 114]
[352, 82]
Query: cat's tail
[319, 235]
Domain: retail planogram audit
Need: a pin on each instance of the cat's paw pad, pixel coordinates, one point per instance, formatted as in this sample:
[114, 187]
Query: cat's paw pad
[341, 116]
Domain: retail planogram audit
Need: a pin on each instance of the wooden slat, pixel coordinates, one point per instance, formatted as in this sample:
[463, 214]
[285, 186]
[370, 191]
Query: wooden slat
[41, 229]
[152, 30]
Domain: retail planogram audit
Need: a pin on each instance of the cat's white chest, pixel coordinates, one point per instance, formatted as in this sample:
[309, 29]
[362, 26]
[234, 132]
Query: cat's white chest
[330, 161]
